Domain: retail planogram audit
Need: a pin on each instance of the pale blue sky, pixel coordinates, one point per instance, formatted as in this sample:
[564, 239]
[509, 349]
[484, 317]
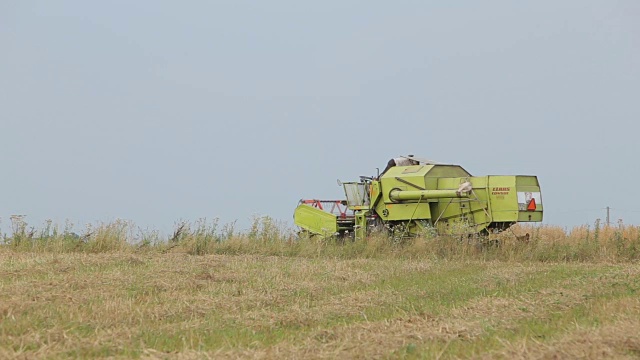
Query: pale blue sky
[156, 111]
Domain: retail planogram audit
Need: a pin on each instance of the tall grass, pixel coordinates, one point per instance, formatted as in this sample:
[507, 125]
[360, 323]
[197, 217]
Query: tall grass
[266, 236]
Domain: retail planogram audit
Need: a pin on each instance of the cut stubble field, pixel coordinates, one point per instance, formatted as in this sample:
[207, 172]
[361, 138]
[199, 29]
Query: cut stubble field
[239, 302]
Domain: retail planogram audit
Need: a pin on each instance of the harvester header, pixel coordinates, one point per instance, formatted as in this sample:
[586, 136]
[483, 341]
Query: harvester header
[425, 195]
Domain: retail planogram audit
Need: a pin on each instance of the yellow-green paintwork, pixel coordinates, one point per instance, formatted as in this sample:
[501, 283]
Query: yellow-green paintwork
[426, 195]
[315, 221]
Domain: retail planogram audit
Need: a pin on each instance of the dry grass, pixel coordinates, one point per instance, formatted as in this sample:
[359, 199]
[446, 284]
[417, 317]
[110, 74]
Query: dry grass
[597, 243]
[175, 305]
[208, 293]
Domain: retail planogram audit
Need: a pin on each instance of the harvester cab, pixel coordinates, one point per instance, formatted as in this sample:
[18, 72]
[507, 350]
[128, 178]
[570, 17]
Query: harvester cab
[424, 197]
[357, 193]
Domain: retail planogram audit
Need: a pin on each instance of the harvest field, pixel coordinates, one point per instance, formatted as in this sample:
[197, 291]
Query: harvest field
[218, 293]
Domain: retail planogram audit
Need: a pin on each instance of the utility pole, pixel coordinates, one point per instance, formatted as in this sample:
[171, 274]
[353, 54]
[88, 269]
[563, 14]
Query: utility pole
[608, 223]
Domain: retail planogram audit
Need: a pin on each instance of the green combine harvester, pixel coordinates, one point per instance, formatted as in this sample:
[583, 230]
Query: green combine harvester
[411, 200]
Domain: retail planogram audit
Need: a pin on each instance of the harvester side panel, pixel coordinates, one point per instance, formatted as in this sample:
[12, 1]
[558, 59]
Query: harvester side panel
[415, 211]
[466, 215]
[503, 197]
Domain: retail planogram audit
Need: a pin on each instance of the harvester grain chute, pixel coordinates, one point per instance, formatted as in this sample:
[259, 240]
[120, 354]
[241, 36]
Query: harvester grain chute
[423, 197]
